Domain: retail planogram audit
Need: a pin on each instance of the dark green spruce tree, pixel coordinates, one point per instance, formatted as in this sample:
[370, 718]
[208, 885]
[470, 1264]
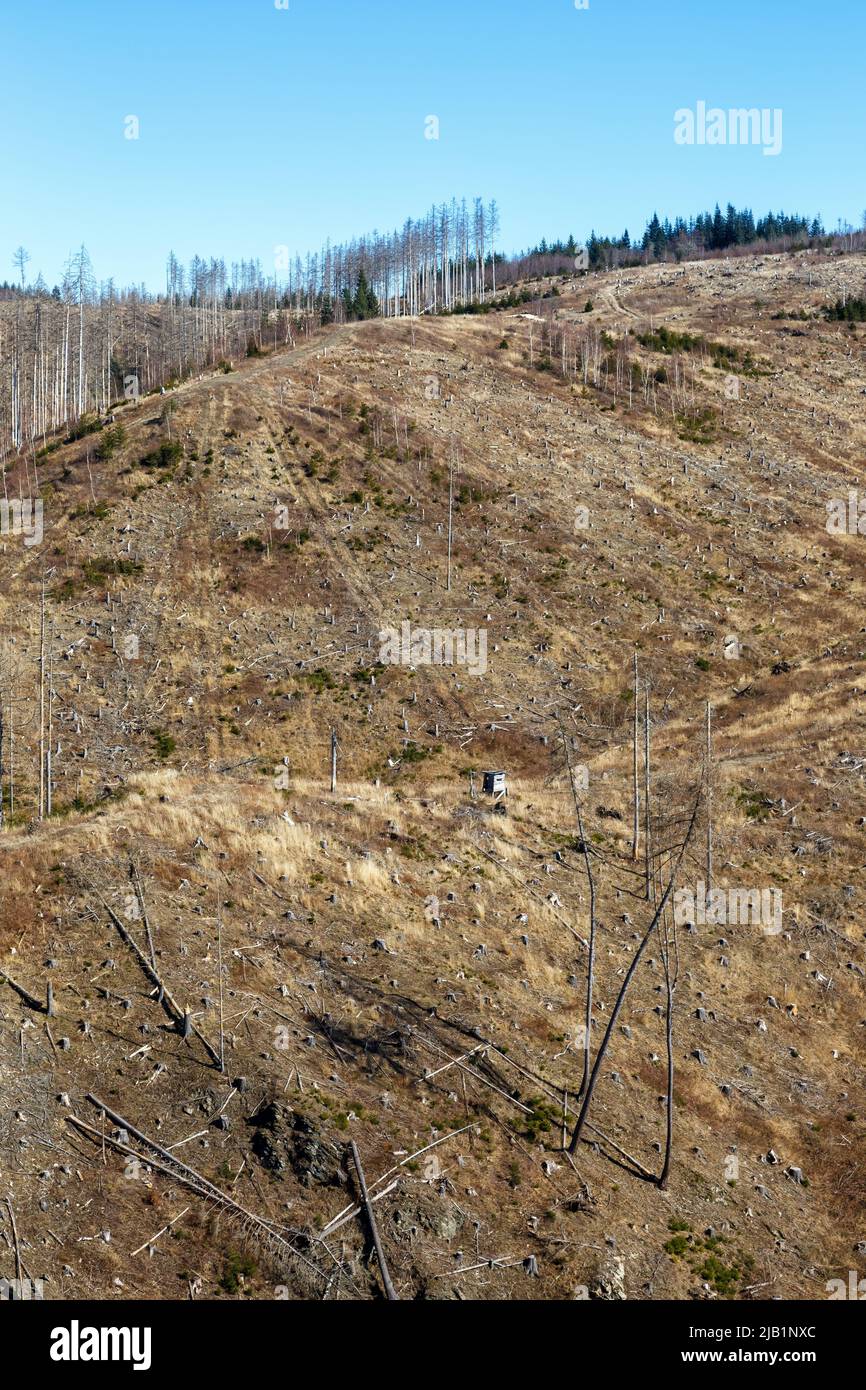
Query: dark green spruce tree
[365, 304]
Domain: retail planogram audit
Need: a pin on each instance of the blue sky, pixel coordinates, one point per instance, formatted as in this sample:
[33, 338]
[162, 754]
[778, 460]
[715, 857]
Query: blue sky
[262, 126]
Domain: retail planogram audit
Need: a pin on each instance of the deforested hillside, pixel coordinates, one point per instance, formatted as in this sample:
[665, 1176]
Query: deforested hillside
[264, 633]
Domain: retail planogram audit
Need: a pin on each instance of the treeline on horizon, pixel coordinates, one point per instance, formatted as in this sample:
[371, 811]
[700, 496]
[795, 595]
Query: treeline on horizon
[68, 352]
[462, 237]
[685, 239]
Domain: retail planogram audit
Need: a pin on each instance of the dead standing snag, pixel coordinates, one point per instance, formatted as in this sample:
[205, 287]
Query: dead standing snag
[581, 1119]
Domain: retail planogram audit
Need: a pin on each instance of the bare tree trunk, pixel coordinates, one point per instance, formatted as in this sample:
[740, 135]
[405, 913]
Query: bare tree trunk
[590, 964]
[42, 703]
[222, 989]
[450, 515]
[374, 1229]
[646, 779]
[672, 971]
[139, 893]
[48, 797]
[709, 758]
[11, 750]
[593, 1080]
[635, 840]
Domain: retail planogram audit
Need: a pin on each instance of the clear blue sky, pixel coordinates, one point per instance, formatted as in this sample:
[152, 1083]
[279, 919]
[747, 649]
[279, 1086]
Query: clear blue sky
[262, 126]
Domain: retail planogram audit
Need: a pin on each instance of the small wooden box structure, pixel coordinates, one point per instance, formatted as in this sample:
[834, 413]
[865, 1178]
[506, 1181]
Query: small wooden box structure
[494, 784]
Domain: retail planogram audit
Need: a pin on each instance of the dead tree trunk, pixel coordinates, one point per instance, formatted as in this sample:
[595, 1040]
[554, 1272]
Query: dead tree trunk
[178, 1015]
[48, 759]
[646, 793]
[709, 760]
[139, 893]
[222, 1063]
[635, 839]
[374, 1229]
[42, 703]
[636, 960]
[590, 964]
[450, 515]
[671, 961]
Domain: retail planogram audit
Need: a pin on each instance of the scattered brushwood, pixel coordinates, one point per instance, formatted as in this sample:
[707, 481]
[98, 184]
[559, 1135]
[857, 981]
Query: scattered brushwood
[272, 1238]
[179, 1016]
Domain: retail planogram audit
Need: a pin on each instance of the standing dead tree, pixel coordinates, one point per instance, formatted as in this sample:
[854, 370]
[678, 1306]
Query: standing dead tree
[222, 1051]
[450, 516]
[635, 838]
[646, 795]
[670, 953]
[590, 964]
[42, 702]
[709, 777]
[629, 975]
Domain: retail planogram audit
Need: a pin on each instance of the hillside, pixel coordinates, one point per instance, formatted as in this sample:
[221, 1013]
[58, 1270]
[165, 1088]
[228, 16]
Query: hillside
[639, 464]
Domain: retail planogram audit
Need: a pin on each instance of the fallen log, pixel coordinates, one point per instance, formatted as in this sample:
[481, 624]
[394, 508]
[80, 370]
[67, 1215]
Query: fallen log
[188, 1177]
[29, 999]
[179, 1016]
[374, 1229]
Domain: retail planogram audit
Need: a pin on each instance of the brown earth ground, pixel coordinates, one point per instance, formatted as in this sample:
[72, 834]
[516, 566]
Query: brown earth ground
[371, 937]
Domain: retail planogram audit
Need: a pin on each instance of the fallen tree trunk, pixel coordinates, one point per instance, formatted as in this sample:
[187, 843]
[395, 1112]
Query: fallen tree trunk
[180, 1017]
[377, 1239]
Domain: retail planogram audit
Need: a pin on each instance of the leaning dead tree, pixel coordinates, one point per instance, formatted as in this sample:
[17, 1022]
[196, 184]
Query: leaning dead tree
[590, 963]
[179, 1016]
[670, 953]
[630, 973]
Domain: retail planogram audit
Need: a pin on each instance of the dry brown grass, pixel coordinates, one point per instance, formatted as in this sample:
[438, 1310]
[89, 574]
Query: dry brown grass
[275, 650]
